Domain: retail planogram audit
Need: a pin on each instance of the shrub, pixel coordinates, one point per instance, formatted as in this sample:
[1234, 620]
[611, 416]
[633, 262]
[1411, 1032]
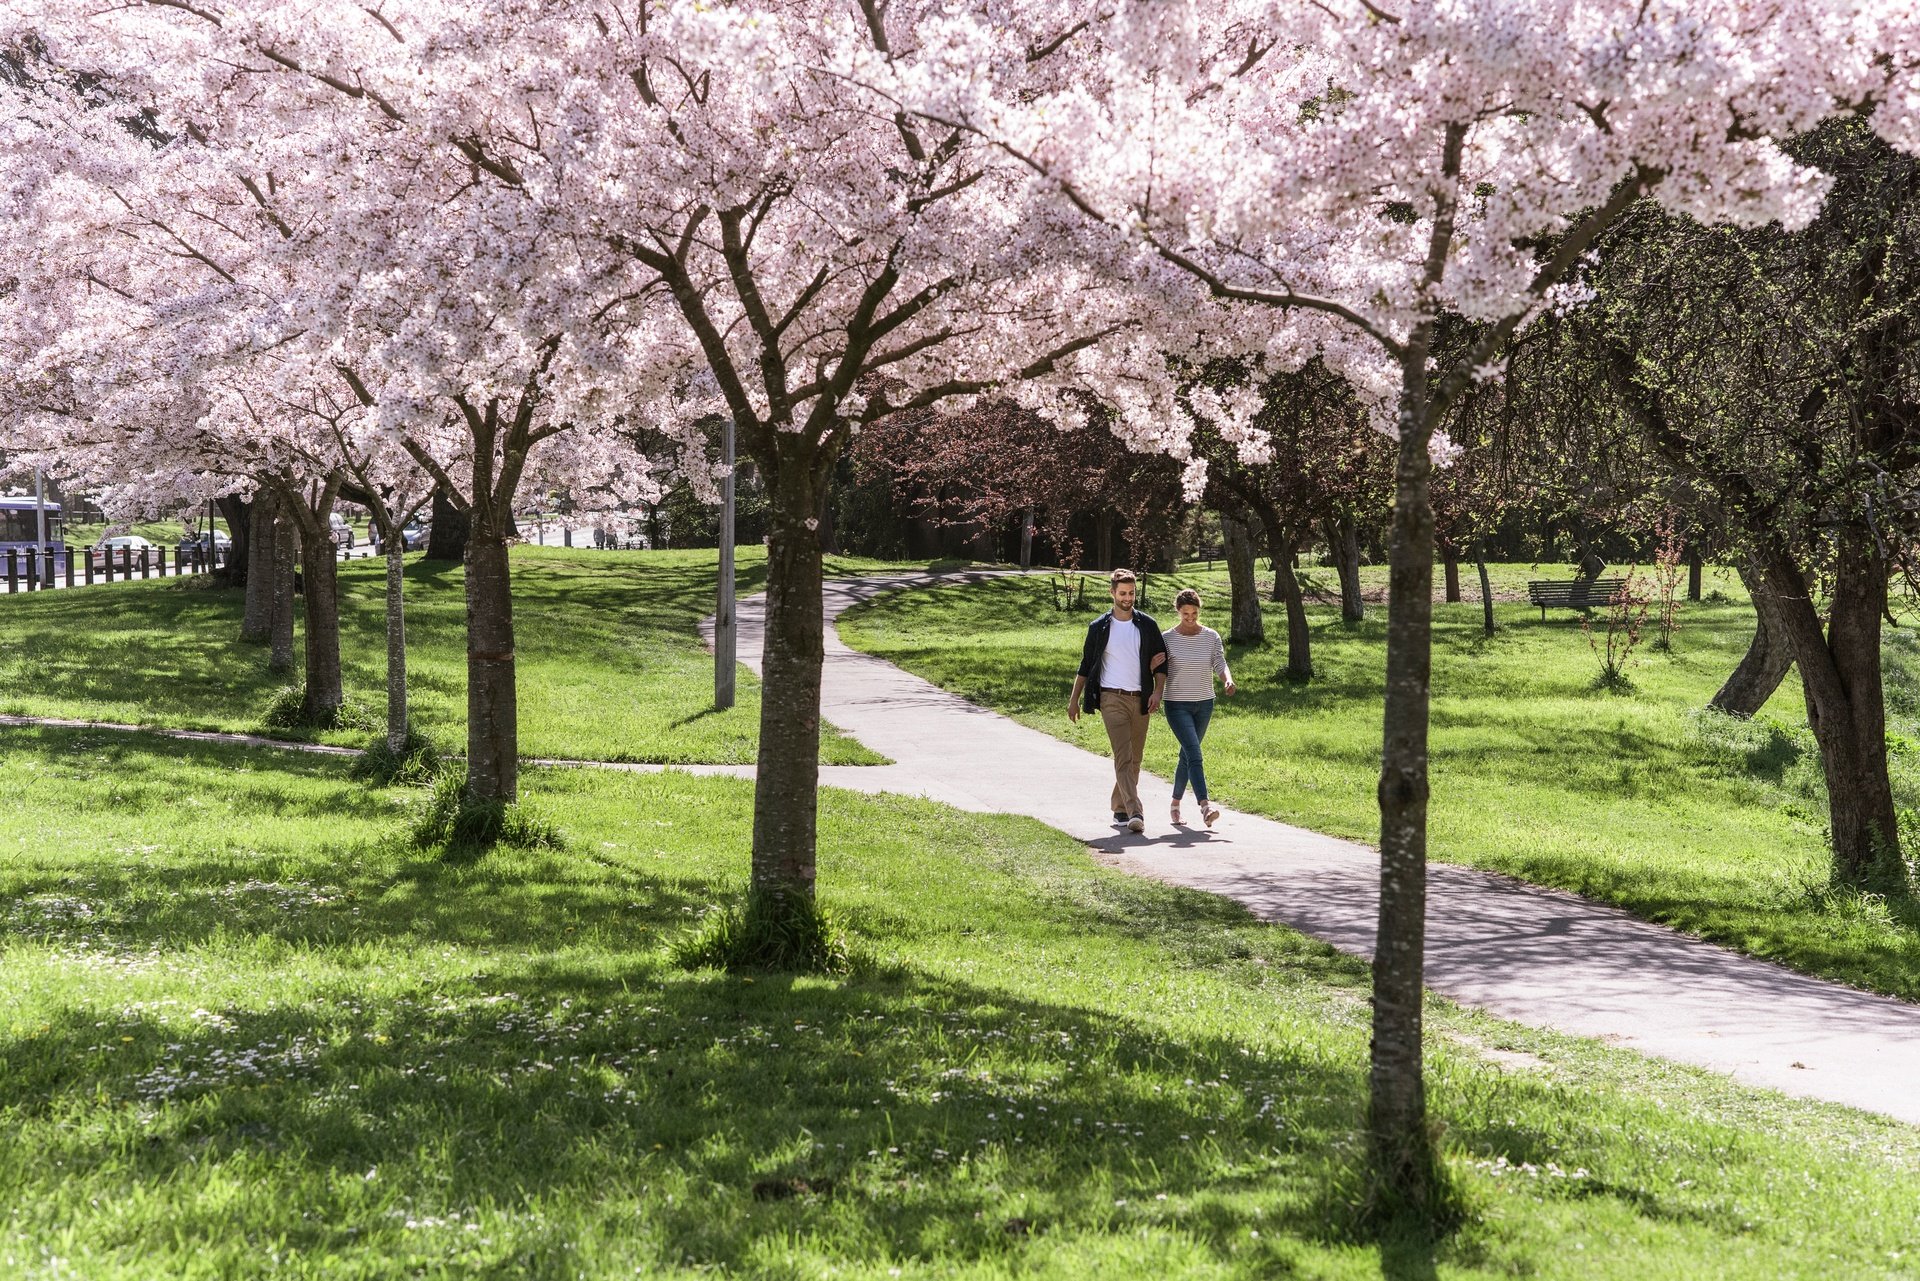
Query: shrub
[1626, 615]
[459, 825]
[416, 763]
[1669, 567]
[287, 709]
[764, 935]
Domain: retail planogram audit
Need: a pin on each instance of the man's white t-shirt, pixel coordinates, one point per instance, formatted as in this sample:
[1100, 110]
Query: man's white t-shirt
[1120, 667]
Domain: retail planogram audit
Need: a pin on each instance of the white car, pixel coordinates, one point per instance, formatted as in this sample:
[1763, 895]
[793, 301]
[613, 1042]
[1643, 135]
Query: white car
[134, 544]
[342, 532]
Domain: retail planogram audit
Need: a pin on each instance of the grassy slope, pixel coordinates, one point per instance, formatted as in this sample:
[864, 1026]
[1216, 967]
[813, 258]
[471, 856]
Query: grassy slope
[609, 664]
[1706, 824]
[245, 1033]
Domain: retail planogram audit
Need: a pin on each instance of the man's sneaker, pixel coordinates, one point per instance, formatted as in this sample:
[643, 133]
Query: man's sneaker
[1119, 816]
[1136, 824]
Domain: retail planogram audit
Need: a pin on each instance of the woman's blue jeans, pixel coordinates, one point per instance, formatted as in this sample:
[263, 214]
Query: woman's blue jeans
[1188, 721]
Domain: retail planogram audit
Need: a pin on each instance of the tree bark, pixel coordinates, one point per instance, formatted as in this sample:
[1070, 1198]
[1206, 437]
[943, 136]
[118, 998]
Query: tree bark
[786, 788]
[1450, 561]
[1768, 658]
[1399, 1145]
[239, 514]
[321, 622]
[1246, 626]
[1695, 568]
[396, 641]
[256, 617]
[1486, 590]
[1846, 704]
[493, 734]
[280, 571]
[1026, 539]
[1343, 540]
[1299, 667]
[1103, 534]
[448, 531]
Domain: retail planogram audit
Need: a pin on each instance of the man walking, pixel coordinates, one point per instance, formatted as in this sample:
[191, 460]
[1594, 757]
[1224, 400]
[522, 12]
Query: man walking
[1122, 671]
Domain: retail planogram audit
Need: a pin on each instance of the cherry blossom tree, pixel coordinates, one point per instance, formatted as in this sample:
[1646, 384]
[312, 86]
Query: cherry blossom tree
[373, 239]
[1337, 176]
[863, 265]
[998, 463]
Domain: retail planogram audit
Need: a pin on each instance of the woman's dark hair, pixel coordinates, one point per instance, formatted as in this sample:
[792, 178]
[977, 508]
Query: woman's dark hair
[1187, 596]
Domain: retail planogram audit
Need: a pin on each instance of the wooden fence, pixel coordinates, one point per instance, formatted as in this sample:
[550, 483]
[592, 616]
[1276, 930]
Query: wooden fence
[83, 566]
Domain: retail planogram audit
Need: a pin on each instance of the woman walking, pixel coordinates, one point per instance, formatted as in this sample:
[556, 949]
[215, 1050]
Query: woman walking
[1194, 656]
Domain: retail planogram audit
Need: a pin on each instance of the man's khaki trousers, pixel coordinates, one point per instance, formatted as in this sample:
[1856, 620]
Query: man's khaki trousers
[1127, 731]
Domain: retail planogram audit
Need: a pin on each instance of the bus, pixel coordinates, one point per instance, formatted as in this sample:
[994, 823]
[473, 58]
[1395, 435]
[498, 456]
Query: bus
[20, 528]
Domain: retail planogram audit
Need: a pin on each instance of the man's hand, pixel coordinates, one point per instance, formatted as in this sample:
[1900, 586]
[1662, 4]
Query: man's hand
[1073, 711]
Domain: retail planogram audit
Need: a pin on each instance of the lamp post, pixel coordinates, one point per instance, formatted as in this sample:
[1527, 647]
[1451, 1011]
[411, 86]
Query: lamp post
[725, 626]
[42, 568]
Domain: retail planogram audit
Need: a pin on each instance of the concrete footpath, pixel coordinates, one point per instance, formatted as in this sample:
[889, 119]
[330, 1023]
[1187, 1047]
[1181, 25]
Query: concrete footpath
[1533, 955]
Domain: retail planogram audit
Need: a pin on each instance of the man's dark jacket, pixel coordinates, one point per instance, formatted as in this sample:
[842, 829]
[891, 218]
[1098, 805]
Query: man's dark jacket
[1091, 654]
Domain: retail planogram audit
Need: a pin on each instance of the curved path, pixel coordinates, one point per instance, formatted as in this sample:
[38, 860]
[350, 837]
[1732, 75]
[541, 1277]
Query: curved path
[1533, 955]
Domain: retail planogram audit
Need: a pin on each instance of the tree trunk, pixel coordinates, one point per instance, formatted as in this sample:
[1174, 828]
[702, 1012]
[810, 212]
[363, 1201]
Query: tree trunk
[1026, 539]
[1768, 658]
[1247, 627]
[1343, 540]
[1299, 667]
[1103, 533]
[493, 727]
[1846, 706]
[1399, 1145]
[239, 514]
[1694, 571]
[396, 641]
[1486, 589]
[321, 624]
[786, 789]
[829, 531]
[256, 617]
[448, 531]
[1450, 561]
[280, 571]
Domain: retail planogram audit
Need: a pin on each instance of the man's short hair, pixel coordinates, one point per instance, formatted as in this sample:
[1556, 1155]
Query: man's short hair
[1118, 577]
[1187, 596]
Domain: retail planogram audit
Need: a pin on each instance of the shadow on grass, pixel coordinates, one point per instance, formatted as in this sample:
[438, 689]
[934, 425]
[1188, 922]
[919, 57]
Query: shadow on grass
[918, 1102]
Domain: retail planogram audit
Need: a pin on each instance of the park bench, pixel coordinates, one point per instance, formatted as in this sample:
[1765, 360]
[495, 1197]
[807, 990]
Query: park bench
[1580, 594]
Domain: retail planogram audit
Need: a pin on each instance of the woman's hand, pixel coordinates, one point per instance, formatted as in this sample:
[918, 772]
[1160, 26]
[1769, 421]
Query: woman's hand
[1231, 689]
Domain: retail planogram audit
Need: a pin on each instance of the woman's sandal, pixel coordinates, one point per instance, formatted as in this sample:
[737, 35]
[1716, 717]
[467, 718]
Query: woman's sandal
[1176, 815]
[1209, 811]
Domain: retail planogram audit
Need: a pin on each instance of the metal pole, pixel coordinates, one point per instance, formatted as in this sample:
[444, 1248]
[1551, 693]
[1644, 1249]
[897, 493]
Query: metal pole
[725, 625]
[42, 569]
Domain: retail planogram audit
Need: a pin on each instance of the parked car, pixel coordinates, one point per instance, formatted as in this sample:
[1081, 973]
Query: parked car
[342, 532]
[413, 537]
[134, 544]
[220, 541]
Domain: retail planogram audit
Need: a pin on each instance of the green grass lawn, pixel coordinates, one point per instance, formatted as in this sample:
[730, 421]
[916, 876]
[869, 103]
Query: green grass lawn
[161, 533]
[610, 665]
[245, 1031]
[1707, 824]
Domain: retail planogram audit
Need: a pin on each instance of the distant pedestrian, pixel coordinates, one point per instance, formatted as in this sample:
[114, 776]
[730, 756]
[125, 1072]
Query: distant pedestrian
[1195, 656]
[1122, 667]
